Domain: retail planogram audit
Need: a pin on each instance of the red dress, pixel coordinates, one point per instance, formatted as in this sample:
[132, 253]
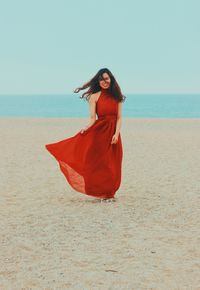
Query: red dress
[88, 160]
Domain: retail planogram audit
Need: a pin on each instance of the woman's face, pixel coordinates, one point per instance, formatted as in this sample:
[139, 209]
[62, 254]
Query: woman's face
[105, 82]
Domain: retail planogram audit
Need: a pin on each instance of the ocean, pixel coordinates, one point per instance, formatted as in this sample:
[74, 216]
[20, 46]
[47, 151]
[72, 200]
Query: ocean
[135, 106]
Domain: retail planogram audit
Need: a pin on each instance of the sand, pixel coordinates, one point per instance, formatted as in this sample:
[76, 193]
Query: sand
[53, 237]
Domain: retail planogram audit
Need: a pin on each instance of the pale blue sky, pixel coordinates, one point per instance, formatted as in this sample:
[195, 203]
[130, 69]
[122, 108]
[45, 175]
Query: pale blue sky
[53, 46]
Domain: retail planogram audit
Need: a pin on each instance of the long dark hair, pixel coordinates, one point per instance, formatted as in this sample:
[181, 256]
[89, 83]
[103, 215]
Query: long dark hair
[94, 87]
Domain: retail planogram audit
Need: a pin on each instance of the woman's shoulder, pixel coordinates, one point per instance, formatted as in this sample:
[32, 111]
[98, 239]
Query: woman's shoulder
[94, 97]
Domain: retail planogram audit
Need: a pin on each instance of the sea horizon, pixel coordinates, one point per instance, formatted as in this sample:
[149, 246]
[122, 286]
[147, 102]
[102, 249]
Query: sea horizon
[136, 105]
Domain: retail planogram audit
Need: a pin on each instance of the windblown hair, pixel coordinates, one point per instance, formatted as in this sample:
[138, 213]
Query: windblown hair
[94, 86]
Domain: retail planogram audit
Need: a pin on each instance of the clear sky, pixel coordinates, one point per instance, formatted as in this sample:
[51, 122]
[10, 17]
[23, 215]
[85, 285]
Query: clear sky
[53, 46]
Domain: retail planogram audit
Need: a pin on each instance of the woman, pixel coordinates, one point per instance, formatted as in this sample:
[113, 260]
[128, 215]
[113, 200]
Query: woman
[91, 160]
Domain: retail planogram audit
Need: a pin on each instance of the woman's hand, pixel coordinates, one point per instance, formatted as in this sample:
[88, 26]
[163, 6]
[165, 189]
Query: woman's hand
[84, 129]
[114, 139]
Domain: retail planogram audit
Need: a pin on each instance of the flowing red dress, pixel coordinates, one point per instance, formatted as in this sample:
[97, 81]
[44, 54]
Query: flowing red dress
[88, 160]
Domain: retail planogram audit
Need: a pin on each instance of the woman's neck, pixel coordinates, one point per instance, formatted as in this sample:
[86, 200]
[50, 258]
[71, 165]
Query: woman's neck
[104, 89]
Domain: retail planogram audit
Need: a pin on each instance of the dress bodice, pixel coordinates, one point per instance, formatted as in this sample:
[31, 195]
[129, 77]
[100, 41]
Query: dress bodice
[106, 105]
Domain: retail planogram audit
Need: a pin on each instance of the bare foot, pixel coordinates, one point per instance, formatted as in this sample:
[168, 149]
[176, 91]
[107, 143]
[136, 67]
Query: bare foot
[112, 199]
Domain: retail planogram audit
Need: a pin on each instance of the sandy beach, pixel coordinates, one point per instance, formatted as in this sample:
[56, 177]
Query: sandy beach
[55, 238]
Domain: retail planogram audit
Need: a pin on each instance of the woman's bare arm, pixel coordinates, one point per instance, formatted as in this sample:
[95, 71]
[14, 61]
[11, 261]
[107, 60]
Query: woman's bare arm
[92, 110]
[119, 119]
